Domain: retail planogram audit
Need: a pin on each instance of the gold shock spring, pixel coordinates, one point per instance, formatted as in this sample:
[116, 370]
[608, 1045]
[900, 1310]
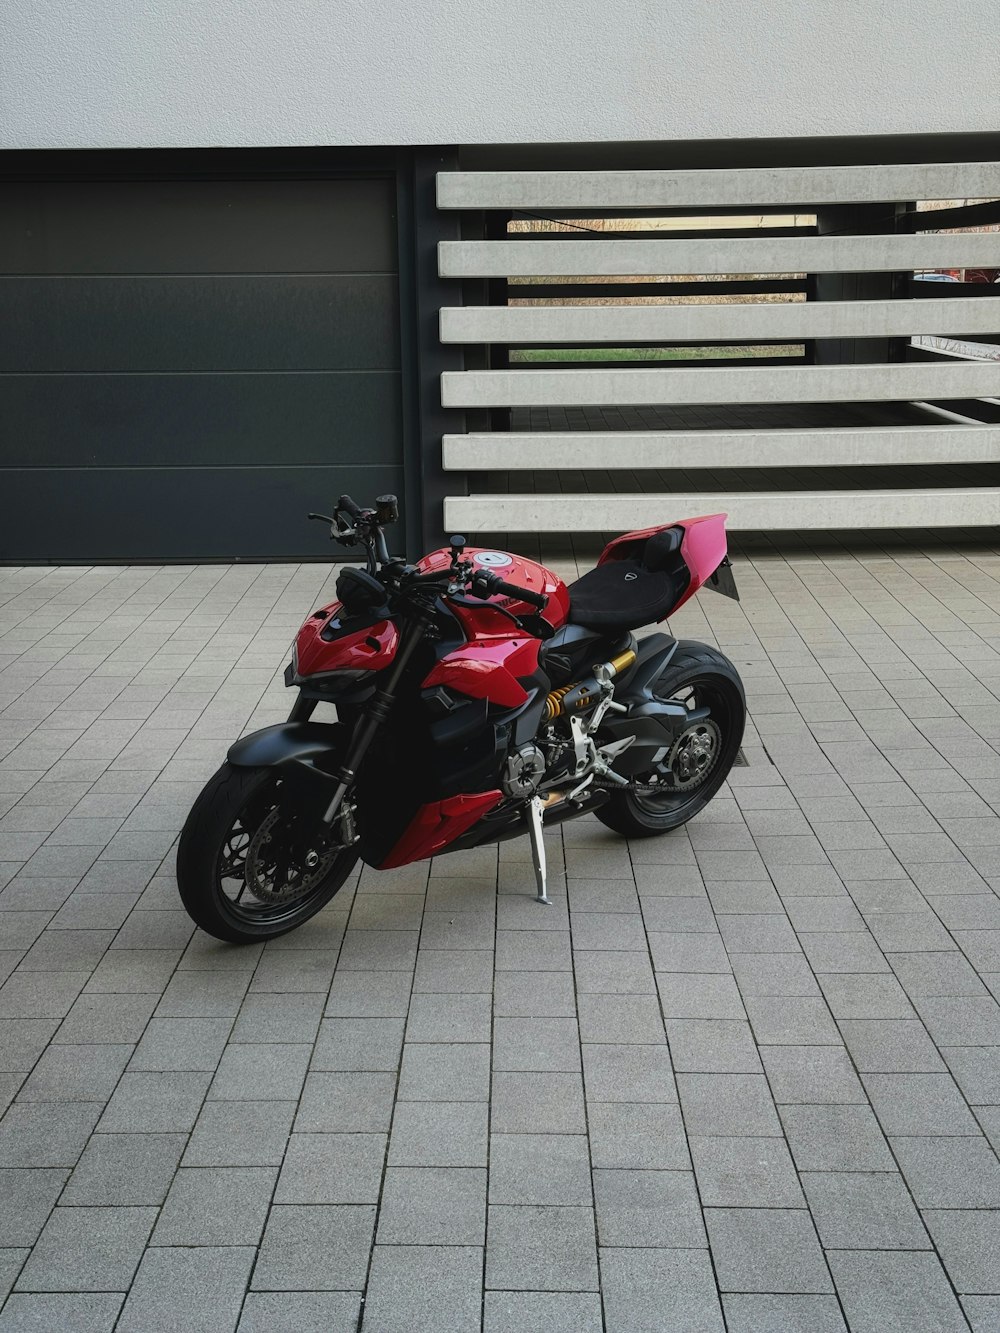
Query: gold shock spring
[553, 704]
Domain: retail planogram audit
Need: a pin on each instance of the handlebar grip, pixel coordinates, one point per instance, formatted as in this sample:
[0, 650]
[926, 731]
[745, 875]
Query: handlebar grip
[522, 594]
[349, 507]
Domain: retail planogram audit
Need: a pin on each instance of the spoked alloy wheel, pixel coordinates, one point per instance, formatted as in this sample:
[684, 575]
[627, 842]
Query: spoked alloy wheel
[687, 773]
[248, 868]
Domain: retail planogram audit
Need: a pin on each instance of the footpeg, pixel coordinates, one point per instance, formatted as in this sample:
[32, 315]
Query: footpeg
[535, 807]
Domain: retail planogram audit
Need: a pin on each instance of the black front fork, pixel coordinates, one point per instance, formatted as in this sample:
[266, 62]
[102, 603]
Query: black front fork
[375, 713]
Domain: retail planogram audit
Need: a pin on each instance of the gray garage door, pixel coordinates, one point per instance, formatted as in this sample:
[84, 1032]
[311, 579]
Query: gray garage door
[187, 367]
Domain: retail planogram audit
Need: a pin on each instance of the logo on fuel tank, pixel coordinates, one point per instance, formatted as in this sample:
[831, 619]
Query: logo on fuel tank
[492, 559]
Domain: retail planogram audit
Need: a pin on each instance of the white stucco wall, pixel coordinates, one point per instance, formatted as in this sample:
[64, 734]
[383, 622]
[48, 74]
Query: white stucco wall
[161, 73]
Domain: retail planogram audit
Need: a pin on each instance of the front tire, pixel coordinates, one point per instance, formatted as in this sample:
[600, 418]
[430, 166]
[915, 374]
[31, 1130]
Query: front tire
[224, 855]
[702, 678]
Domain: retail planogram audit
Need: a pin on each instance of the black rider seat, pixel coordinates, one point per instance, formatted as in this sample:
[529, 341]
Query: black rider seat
[638, 590]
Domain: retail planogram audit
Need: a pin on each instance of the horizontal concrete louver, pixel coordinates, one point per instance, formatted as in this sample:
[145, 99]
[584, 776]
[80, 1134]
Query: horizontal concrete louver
[583, 400]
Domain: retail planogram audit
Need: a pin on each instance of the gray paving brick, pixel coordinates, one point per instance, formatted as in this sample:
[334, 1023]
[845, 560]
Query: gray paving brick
[182, 1045]
[891, 1046]
[949, 1172]
[299, 1240]
[29, 1195]
[424, 1288]
[346, 1103]
[40, 1134]
[448, 1018]
[154, 1103]
[470, 971]
[278, 1018]
[660, 1288]
[59, 949]
[260, 1073]
[124, 1169]
[620, 1019]
[647, 1208]
[132, 972]
[688, 995]
[894, 1292]
[200, 1290]
[439, 1134]
[444, 1072]
[304, 1311]
[88, 1249]
[362, 950]
[332, 1168]
[981, 947]
[708, 1046]
[868, 995]
[792, 1021]
[11, 1262]
[770, 1250]
[638, 1136]
[734, 898]
[215, 1206]
[745, 1172]
[977, 1072]
[597, 895]
[240, 1134]
[615, 1073]
[40, 994]
[727, 1104]
[774, 974]
[360, 995]
[535, 1045]
[540, 1169]
[613, 972]
[783, 1314]
[968, 1241]
[961, 1020]
[919, 1104]
[533, 994]
[677, 952]
[840, 951]
[541, 1248]
[766, 933]
[835, 1138]
[811, 1075]
[556, 1312]
[203, 995]
[114, 1019]
[864, 1211]
[433, 1205]
[76, 1074]
[824, 914]
[40, 1312]
[982, 1312]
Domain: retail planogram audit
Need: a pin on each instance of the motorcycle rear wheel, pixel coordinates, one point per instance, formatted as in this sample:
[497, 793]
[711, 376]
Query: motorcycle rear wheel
[702, 678]
[231, 843]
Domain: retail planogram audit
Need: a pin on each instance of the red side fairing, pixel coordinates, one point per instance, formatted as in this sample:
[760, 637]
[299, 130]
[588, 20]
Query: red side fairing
[703, 548]
[436, 825]
[367, 649]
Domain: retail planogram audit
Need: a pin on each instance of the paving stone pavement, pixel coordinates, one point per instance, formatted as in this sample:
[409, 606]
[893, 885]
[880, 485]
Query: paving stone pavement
[743, 1077]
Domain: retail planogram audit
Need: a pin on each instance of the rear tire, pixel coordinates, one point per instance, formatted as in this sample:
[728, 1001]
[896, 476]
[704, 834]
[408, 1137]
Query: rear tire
[229, 812]
[701, 673]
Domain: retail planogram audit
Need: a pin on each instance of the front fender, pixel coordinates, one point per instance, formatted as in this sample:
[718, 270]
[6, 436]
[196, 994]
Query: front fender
[301, 743]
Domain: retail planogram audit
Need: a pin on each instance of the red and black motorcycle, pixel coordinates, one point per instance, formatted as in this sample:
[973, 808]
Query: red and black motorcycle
[477, 698]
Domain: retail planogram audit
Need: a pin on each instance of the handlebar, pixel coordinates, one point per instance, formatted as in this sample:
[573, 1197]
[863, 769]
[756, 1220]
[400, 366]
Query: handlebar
[348, 506]
[486, 584]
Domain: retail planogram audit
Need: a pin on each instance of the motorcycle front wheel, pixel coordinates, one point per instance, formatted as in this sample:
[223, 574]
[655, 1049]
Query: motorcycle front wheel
[698, 763]
[246, 869]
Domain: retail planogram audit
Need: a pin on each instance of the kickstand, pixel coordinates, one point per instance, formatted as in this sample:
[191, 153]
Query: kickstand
[535, 808]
